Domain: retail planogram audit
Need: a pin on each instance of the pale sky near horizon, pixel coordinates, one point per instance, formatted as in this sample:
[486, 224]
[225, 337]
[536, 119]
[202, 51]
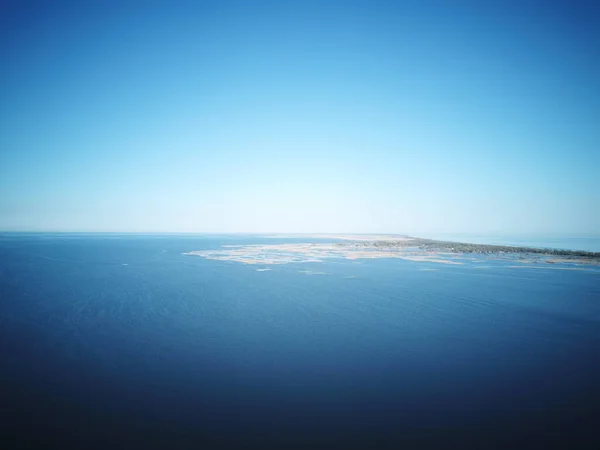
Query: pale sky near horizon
[313, 116]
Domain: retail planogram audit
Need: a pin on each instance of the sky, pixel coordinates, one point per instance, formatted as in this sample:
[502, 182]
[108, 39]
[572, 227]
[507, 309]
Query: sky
[311, 116]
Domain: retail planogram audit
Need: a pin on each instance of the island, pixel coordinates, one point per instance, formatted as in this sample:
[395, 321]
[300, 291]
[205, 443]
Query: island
[355, 247]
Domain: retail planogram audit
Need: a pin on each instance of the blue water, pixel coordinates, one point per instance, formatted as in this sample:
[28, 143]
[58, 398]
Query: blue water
[114, 341]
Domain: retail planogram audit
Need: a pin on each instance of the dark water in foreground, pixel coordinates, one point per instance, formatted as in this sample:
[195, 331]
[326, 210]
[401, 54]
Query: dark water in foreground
[112, 342]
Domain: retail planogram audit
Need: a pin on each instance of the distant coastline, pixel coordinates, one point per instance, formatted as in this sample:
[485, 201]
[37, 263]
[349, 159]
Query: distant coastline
[559, 242]
[465, 247]
[391, 246]
[468, 244]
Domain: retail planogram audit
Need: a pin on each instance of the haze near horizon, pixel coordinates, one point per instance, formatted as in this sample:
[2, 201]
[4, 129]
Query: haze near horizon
[339, 116]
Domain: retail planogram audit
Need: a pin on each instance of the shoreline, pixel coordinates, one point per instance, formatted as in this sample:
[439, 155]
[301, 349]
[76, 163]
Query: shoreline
[407, 248]
[465, 247]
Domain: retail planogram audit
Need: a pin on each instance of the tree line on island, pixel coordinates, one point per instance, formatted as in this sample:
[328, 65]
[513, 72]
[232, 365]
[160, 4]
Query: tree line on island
[462, 247]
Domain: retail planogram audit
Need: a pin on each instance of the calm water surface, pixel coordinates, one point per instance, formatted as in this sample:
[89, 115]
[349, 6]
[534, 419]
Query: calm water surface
[121, 340]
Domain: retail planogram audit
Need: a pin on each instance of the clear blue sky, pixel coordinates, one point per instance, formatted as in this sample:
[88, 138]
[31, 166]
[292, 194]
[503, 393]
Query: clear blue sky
[308, 116]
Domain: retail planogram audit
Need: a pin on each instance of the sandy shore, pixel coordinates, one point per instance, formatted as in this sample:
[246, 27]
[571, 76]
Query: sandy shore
[369, 248]
[344, 237]
[308, 252]
[447, 250]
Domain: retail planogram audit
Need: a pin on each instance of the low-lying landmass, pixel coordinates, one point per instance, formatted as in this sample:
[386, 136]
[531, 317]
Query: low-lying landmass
[462, 247]
[344, 237]
[393, 246]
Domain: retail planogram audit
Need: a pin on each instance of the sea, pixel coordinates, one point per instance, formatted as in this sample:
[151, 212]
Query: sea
[122, 341]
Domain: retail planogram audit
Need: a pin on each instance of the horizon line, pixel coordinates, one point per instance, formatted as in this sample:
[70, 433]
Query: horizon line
[304, 233]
